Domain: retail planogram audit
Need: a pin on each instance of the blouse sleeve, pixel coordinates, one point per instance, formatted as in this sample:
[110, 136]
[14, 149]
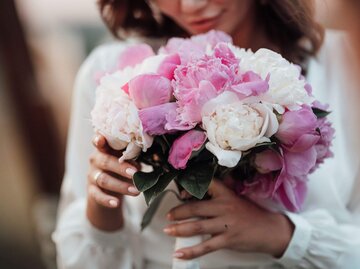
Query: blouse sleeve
[319, 241]
[79, 244]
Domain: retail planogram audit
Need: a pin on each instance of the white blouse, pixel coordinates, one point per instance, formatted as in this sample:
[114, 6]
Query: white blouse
[327, 231]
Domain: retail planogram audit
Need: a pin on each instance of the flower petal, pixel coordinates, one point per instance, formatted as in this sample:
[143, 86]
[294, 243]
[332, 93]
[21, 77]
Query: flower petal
[183, 147]
[154, 118]
[224, 98]
[228, 158]
[149, 90]
[168, 66]
[292, 194]
[131, 152]
[268, 161]
[134, 55]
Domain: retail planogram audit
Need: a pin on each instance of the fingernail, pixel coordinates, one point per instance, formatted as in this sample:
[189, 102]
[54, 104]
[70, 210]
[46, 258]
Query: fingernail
[133, 190]
[183, 195]
[96, 140]
[169, 216]
[178, 254]
[113, 203]
[130, 171]
[167, 230]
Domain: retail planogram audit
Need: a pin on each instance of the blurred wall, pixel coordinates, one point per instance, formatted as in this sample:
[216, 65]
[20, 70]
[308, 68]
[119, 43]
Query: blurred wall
[18, 246]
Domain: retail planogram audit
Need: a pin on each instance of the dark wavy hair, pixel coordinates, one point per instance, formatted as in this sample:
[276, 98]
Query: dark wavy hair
[289, 24]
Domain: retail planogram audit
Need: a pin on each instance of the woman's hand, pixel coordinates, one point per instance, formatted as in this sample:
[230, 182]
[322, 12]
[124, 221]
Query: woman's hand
[233, 223]
[108, 181]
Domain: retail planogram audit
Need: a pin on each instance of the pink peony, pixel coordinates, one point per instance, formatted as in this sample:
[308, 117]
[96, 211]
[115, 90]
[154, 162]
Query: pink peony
[323, 146]
[116, 117]
[291, 183]
[250, 84]
[149, 90]
[197, 83]
[168, 66]
[228, 58]
[183, 147]
[268, 161]
[195, 47]
[297, 130]
[327, 132]
[155, 118]
[292, 193]
[134, 55]
[260, 187]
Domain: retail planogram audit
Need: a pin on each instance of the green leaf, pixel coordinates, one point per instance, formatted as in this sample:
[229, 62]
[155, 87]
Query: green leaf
[196, 178]
[319, 113]
[150, 212]
[265, 144]
[161, 140]
[153, 207]
[144, 181]
[160, 186]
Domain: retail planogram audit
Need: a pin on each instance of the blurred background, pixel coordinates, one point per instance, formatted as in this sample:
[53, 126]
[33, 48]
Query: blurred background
[42, 44]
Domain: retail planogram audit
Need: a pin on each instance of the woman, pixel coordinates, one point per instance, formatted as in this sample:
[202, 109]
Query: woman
[99, 228]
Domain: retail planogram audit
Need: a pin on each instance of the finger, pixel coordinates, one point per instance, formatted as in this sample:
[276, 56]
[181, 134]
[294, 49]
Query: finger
[210, 245]
[197, 227]
[102, 198]
[109, 183]
[110, 163]
[100, 143]
[218, 189]
[194, 209]
[184, 195]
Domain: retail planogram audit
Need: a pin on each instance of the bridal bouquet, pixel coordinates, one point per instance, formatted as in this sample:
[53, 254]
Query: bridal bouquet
[202, 108]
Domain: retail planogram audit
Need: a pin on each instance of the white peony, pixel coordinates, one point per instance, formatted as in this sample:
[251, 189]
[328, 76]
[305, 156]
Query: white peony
[233, 126]
[116, 117]
[285, 86]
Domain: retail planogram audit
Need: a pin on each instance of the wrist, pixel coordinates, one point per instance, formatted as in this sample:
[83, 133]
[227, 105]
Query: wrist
[280, 235]
[104, 218]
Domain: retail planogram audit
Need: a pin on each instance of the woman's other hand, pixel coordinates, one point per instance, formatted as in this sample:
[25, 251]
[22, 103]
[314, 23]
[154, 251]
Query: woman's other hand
[233, 223]
[108, 181]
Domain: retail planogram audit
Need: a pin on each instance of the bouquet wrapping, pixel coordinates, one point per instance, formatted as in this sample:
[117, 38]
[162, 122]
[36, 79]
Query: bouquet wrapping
[202, 108]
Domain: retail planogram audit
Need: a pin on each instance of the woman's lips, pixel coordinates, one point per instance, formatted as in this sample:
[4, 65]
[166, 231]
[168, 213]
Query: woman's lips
[205, 23]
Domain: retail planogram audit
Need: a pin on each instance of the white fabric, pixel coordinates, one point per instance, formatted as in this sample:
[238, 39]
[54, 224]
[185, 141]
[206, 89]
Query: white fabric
[327, 232]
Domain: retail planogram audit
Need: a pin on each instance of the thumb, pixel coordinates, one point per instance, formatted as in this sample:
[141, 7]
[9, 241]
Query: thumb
[99, 141]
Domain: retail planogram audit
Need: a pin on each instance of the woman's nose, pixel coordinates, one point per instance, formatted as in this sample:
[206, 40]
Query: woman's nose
[191, 6]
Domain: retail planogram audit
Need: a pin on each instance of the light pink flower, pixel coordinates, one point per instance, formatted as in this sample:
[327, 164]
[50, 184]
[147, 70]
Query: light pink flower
[197, 83]
[149, 90]
[183, 147]
[323, 146]
[168, 66]
[194, 48]
[134, 55]
[228, 58]
[155, 118]
[260, 187]
[116, 117]
[292, 193]
[291, 183]
[250, 84]
[268, 161]
[327, 132]
[297, 130]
